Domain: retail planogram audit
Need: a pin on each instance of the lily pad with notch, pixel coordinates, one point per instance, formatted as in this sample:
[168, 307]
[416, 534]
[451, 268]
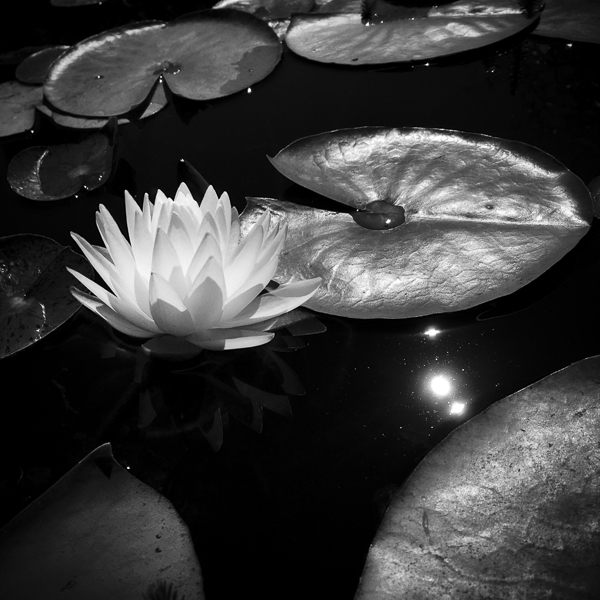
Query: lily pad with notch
[98, 533]
[48, 173]
[201, 56]
[481, 218]
[379, 32]
[34, 289]
[509, 500]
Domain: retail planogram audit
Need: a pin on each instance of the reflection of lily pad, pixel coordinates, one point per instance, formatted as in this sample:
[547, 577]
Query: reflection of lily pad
[98, 533]
[392, 34]
[577, 20]
[17, 106]
[34, 289]
[55, 172]
[203, 55]
[34, 68]
[506, 506]
[484, 217]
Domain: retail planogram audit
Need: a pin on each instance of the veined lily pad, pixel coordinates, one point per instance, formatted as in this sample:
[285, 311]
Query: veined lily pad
[34, 289]
[55, 172]
[201, 56]
[506, 506]
[394, 34]
[34, 68]
[98, 533]
[482, 218]
[17, 107]
[577, 20]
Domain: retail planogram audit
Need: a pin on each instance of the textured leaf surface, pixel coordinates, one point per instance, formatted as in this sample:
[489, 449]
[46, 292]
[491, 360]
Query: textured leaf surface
[577, 20]
[395, 34]
[17, 106]
[505, 507]
[34, 289]
[98, 533]
[484, 217]
[201, 56]
[55, 172]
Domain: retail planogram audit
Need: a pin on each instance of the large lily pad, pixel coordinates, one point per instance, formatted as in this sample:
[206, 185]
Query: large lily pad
[34, 289]
[577, 20]
[395, 34]
[98, 533]
[201, 56]
[17, 107]
[482, 218]
[505, 507]
[54, 172]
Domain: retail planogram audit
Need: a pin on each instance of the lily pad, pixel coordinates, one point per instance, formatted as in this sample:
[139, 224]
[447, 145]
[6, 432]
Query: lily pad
[396, 34]
[482, 217]
[506, 506]
[98, 533]
[34, 68]
[156, 102]
[34, 289]
[201, 56]
[17, 107]
[576, 20]
[54, 172]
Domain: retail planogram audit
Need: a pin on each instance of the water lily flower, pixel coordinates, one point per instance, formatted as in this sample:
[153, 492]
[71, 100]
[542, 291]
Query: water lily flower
[186, 278]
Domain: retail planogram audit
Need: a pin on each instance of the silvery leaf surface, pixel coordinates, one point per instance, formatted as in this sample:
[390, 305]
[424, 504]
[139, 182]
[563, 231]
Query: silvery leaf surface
[388, 33]
[483, 217]
[505, 507]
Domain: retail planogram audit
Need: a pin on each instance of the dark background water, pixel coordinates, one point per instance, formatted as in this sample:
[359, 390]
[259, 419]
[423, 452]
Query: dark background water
[288, 505]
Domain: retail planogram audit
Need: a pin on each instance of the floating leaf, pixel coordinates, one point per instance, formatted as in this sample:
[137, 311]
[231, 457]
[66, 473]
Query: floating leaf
[97, 533]
[55, 172]
[155, 103]
[34, 68]
[276, 13]
[483, 217]
[17, 107]
[577, 20]
[506, 506]
[34, 289]
[395, 34]
[201, 56]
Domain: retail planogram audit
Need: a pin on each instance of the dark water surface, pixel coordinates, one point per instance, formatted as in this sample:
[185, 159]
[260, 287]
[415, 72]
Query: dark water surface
[288, 505]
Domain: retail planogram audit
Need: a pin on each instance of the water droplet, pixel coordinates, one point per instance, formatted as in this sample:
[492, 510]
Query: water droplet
[99, 77]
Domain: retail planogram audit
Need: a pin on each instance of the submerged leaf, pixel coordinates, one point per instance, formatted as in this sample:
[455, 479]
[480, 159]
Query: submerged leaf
[396, 34]
[17, 107]
[577, 20]
[506, 506]
[97, 533]
[34, 289]
[55, 172]
[484, 217]
[201, 56]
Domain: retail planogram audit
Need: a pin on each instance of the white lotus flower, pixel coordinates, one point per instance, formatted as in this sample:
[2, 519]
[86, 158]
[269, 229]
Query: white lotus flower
[186, 278]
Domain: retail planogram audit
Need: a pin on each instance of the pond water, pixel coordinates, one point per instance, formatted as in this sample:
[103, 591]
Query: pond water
[316, 430]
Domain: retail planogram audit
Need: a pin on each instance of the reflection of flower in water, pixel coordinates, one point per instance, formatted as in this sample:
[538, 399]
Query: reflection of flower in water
[186, 278]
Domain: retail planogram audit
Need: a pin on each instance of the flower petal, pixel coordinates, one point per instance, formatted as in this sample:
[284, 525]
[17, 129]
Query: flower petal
[205, 299]
[207, 249]
[275, 303]
[132, 210]
[167, 308]
[109, 315]
[229, 339]
[165, 262]
[129, 311]
[209, 202]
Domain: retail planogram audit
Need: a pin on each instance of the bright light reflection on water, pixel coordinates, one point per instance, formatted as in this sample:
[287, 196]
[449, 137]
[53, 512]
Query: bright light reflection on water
[440, 385]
